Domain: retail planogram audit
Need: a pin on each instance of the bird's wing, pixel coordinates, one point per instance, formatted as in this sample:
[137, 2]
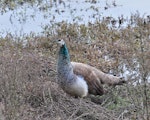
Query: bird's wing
[94, 84]
[95, 78]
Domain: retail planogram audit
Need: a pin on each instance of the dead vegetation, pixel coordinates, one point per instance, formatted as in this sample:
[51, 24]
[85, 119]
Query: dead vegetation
[28, 87]
[29, 91]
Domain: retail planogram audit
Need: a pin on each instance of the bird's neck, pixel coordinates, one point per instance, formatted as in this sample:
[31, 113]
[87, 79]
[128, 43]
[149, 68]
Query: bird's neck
[64, 54]
[64, 67]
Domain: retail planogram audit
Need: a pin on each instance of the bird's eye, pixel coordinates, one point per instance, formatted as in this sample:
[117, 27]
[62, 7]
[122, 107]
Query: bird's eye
[59, 40]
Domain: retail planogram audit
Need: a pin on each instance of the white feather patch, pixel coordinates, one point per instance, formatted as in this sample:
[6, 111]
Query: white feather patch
[81, 86]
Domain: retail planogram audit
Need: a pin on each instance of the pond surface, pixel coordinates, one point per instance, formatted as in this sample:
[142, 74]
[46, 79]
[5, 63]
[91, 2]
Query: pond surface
[76, 11]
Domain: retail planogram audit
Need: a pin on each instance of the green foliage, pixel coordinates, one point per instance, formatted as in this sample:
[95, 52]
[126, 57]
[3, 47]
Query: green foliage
[118, 103]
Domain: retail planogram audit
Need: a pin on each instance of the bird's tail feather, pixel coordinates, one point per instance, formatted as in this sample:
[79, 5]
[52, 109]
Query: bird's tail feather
[110, 79]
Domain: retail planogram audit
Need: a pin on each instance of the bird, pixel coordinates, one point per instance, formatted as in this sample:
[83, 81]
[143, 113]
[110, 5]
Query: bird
[79, 79]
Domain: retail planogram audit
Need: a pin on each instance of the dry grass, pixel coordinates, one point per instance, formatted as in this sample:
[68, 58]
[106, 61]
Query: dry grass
[29, 91]
[28, 87]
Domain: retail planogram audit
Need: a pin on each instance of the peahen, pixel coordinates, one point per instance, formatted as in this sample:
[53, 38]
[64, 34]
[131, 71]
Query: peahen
[78, 79]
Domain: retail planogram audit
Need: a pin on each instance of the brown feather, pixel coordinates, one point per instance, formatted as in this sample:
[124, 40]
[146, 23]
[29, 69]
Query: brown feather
[95, 78]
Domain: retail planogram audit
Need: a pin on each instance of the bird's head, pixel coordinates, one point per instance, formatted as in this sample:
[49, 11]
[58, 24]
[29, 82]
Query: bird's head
[60, 42]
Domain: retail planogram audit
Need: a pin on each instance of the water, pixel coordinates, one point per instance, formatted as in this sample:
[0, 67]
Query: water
[74, 11]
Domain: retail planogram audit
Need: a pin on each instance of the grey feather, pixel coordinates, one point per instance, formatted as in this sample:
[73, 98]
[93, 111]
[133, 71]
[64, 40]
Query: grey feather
[79, 79]
[68, 81]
